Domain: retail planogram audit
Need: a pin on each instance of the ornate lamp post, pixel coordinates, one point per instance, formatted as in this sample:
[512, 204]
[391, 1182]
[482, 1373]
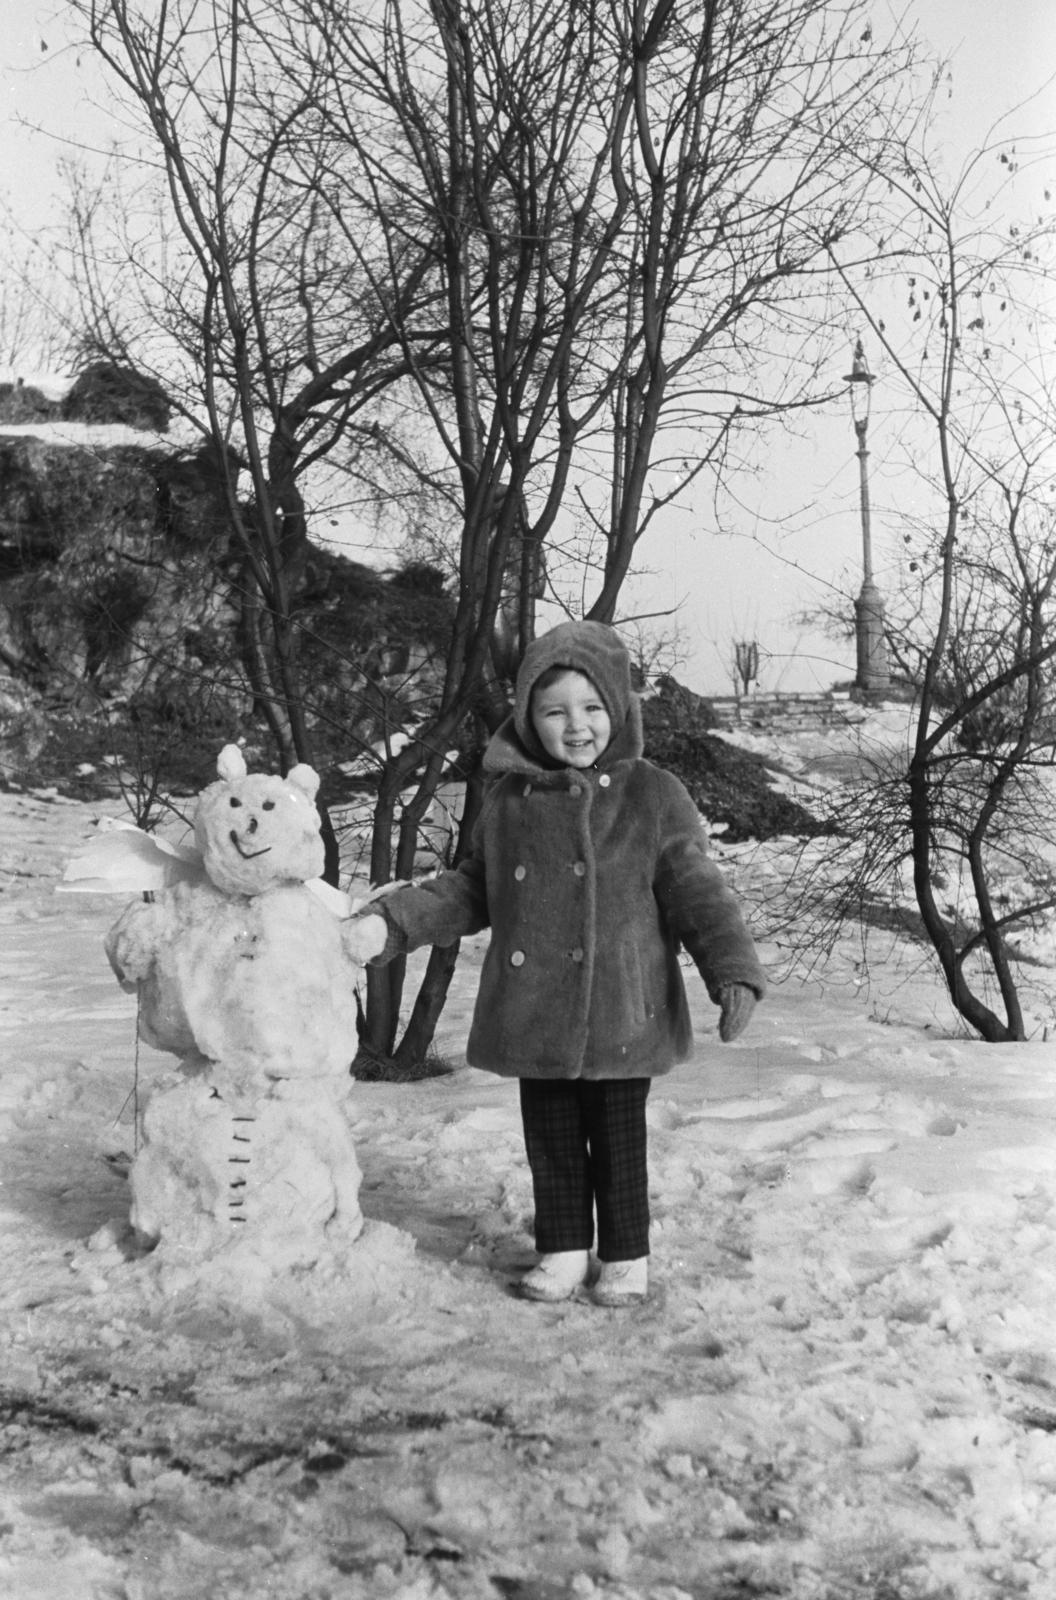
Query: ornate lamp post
[872, 672]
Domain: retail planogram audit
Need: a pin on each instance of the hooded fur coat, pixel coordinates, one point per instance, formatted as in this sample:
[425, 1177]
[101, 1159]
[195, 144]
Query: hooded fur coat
[589, 881]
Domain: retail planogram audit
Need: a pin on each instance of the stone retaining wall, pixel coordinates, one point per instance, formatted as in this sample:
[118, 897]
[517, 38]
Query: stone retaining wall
[787, 711]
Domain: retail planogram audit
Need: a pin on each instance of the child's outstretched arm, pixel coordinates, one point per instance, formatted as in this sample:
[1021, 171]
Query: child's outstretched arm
[436, 912]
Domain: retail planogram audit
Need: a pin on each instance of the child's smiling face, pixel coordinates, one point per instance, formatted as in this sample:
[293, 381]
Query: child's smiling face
[571, 721]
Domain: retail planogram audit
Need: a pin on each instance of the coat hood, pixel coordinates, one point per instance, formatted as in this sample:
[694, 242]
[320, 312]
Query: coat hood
[594, 649]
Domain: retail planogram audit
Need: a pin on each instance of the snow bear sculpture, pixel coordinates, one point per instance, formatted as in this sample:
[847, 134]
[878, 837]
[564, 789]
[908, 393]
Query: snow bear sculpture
[246, 972]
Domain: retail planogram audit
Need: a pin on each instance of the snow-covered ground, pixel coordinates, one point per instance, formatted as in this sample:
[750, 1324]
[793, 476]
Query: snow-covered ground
[843, 1386]
[102, 435]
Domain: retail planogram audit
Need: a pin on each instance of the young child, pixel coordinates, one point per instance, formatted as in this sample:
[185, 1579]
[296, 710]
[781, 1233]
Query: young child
[590, 867]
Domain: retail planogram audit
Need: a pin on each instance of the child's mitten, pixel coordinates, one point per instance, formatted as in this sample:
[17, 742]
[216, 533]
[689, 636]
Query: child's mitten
[365, 937]
[737, 1002]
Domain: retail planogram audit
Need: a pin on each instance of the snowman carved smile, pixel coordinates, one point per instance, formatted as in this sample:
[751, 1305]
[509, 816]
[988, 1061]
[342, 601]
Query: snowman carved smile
[247, 855]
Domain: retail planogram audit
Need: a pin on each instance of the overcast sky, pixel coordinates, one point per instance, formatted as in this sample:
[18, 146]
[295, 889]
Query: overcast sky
[749, 584]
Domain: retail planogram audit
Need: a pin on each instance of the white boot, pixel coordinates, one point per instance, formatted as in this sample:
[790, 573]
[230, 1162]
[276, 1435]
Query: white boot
[622, 1283]
[556, 1276]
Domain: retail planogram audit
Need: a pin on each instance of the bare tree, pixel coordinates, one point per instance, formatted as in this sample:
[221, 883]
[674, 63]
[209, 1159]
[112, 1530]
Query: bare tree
[630, 207]
[208, 256]
[736, 167]
[954, 301]
[34, 319]
[579, 250]
[745, 664]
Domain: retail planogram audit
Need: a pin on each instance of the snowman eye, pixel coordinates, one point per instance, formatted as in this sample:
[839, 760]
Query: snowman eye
[269, 805]
[234, 801]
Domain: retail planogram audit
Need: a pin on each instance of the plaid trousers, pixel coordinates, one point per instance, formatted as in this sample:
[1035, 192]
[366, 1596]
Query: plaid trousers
[586, 1144]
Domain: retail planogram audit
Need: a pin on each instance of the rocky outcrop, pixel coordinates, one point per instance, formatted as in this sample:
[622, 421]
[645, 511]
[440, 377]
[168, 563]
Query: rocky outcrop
[23, 726]
[112, 563]
[730, 786]
[122, 615]
[21, 403]
[104, 393]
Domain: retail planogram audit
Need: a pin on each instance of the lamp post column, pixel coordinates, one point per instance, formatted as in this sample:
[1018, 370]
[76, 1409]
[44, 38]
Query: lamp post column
[872, 674]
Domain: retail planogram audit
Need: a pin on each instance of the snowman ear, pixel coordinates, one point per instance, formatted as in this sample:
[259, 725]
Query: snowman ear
[231, 763]
[305, 778]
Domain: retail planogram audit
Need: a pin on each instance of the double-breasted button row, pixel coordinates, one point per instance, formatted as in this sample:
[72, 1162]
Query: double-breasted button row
[576, 788]
[517, 956]
[578, 867]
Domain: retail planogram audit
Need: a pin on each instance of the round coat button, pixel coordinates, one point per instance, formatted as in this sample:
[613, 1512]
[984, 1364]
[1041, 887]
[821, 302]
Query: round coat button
[518, 873]
[517, 959]
[577, 954]
[580, 868]
[574, 789]
[604, 781]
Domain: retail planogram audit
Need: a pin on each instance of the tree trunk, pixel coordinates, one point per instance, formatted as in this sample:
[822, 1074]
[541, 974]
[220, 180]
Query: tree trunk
[432, 996]
[975, 1013]
[428, 1007]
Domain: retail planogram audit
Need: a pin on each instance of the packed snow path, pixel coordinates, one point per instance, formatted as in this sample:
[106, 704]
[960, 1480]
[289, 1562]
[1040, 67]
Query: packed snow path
[843, 1385]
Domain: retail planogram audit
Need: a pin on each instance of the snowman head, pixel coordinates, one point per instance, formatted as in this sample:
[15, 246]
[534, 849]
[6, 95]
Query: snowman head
[255, 832]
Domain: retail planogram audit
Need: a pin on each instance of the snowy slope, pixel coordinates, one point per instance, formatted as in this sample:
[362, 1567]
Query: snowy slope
[843, 1386]
[103, 435]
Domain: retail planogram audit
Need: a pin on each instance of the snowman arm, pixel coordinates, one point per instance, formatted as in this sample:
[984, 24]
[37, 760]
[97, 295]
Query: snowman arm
[125, 860]
[132, 944]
